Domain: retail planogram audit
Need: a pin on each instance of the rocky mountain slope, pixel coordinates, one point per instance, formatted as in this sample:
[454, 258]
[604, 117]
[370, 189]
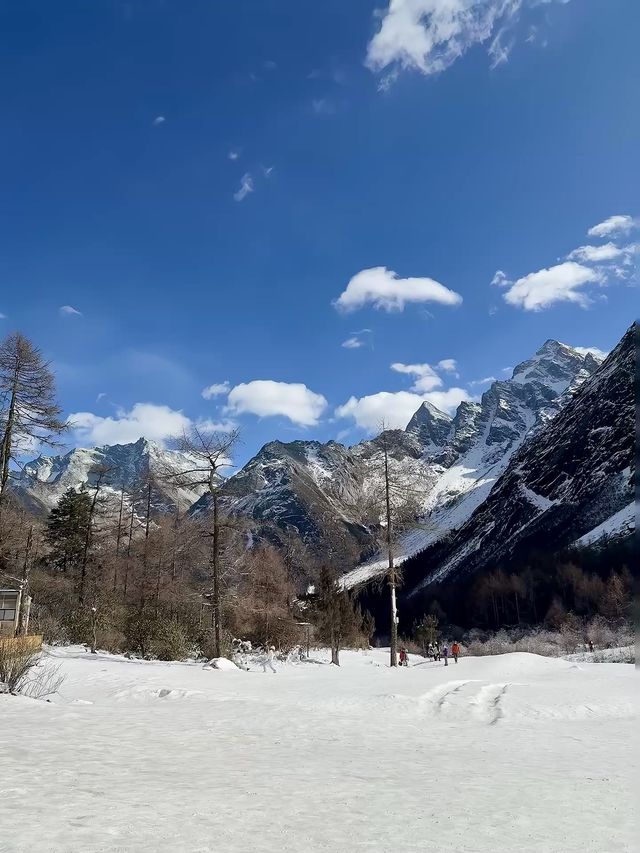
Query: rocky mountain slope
[570, 482]
[330, 495]
[328, 492]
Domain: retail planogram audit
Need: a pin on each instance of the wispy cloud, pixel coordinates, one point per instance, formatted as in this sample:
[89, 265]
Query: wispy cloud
[158, 120]
[233, 155]
[618, 224]
[352, 343]
[486, 381]
[216, 390]
[359, 339]
[449, 365]
[323, 106]
[246, 187]
[428, 36]
[69, 311]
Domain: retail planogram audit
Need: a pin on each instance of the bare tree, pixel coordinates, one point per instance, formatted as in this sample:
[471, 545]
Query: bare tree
[401, 498]
[28, 410]
[210, 452]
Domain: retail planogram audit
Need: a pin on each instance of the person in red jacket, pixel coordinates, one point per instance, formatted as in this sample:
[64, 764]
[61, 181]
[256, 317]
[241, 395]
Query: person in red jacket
[404, 658]
[455, 651]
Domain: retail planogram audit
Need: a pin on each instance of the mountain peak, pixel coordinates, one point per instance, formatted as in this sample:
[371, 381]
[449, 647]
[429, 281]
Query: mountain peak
[430, 425]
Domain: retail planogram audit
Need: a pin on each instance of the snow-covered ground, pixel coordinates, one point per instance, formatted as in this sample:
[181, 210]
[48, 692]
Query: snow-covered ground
[513, 752]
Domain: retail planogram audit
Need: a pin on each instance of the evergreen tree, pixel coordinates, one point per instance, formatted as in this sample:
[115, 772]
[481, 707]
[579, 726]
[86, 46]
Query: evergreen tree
[67, 530]
[337, 620]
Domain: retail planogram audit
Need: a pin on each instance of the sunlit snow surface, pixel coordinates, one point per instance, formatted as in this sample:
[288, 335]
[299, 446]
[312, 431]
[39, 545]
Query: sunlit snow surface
[510, 753]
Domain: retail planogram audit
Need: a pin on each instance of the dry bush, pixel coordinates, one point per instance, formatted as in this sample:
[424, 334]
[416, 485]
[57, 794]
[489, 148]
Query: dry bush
[17, 658]
[23, 670]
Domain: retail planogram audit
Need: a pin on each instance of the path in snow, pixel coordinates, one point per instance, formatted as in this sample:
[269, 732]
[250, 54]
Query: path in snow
[506, 753]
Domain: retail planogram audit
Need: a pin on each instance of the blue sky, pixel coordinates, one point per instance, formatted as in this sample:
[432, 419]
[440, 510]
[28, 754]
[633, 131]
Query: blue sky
[227, 192]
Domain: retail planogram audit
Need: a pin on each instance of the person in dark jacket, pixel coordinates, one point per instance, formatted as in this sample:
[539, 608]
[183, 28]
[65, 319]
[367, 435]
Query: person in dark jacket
[445, 655]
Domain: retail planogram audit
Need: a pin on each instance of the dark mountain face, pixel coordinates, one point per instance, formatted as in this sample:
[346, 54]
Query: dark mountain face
[569, 477]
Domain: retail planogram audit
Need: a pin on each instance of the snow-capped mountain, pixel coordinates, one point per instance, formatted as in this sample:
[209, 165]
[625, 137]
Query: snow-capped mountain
[124, 466]
[323, 492]
[329, 494]
[570, 483]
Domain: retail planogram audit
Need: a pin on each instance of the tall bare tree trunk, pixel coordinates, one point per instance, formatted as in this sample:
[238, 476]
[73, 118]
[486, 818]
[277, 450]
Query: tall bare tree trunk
[215, 569]
[128, 559]
[118, 540]
[88, 538]
[5, 449]
[392, 569]
[145, 555]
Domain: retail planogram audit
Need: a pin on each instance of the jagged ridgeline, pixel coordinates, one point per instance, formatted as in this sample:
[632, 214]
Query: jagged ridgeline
[544, 457]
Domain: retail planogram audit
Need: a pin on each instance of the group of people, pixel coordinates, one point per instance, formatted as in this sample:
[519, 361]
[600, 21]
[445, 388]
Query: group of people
[435, 651]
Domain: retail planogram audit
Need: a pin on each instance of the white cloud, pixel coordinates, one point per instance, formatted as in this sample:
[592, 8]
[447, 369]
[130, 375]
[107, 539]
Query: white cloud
[208, 426]
[429, 35]
[599, 254]
[501, 279]
[157, 423]
[3, 316]
[384, 290]
[267, 171]
[246, 187]
[267, 398]
[426, 379]
[215, 390]
[448, 400]
[233, 155]
[352, 343]
[69, 311]
[619, 224]
[449, 365]
[594, 351]
[560, 283]
[396, 409]
[158, 120]
[486, 381]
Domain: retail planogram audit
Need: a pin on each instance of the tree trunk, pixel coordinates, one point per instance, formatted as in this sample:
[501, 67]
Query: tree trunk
[145, 556]
[5, 448]
[215, 566]
[118, 539]
[128, 560]
[392, 571]
[87, 542]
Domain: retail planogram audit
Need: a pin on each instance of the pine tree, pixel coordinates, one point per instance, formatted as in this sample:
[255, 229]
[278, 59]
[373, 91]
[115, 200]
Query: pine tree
[67, 531]
[337, 621]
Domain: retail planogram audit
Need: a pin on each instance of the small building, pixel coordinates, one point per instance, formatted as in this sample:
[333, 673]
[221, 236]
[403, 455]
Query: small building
[9, 612]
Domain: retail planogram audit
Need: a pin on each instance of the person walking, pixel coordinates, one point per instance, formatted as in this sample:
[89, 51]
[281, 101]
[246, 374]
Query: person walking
[455, 651]
[404, 657]
[445, 655]
[268, 660]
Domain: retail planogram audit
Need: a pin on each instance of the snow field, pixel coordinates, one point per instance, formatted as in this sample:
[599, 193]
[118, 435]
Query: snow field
[512, 752]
